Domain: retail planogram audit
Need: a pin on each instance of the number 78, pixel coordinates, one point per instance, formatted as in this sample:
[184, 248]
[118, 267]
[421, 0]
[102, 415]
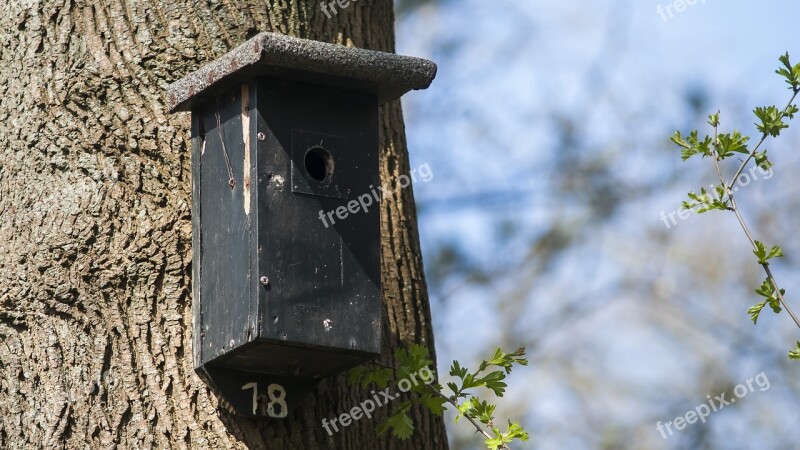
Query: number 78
[277, 397]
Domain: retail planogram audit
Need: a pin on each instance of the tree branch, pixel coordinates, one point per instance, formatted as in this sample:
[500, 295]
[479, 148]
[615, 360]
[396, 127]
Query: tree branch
[729, 192]
[478, 427]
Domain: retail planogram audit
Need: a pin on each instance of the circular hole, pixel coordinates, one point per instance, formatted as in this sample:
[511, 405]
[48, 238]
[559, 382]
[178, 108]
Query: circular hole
[319, 163]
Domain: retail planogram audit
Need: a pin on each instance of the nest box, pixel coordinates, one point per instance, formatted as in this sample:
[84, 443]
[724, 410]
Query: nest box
[285, 217]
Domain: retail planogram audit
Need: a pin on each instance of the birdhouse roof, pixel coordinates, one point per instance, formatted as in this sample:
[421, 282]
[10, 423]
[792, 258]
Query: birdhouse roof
[386, 75]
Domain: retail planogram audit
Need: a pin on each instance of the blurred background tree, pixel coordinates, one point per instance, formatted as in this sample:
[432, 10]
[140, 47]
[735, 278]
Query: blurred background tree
[547, 134]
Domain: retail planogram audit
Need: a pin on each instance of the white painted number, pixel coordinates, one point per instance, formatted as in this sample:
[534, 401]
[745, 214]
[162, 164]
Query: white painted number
[253, 385]
[277, 396]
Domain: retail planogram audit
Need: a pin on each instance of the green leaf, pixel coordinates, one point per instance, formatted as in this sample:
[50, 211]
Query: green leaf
[514, 431]
[727, 144]
[785, 60]
[771, 120]
[687, 151]
[366, 376]
[775, 252]
[692, 145]
[790, 111]
[767, 291]
[412, 360]
[434, 403]
[755, 311]
[494, 381]
[399, 423]
[453, 387]
[494, 443]
[791, 73]
[457, 371]
[505, 360]
[760, 252]
[678, 139]
[713, 119]
[704, 201]
[356, 374]
[763, 256]
[795, 354]
[482, 410]
[464, 410]
[761, 160]
[775, 303]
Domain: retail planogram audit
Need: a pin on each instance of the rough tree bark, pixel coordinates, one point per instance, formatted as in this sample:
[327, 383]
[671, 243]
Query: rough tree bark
[95, 230]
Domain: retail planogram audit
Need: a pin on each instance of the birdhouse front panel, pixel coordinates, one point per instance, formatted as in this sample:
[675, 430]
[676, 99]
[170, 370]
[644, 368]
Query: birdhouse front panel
[318, 219]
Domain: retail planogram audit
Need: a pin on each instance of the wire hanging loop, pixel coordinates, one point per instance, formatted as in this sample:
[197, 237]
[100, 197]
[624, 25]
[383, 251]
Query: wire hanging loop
[231, 180]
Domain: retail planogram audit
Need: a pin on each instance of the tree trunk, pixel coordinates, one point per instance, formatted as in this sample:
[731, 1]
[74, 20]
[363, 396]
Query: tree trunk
[95, 228]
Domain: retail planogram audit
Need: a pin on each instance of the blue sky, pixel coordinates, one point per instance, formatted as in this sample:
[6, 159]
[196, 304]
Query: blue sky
[486, 127]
